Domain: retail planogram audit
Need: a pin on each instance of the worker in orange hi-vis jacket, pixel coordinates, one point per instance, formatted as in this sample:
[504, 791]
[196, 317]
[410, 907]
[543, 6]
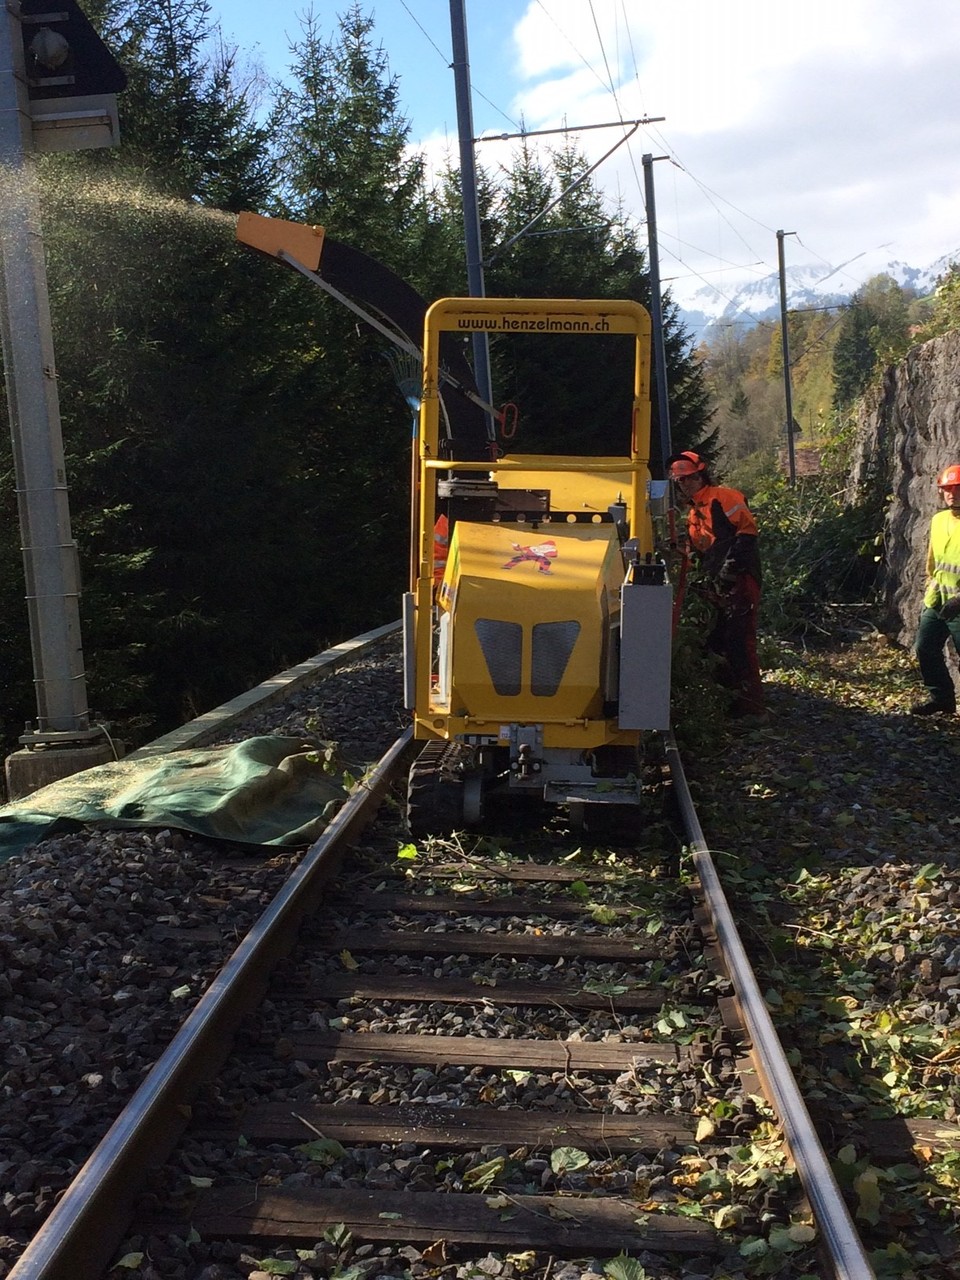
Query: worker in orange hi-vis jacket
[723, 537]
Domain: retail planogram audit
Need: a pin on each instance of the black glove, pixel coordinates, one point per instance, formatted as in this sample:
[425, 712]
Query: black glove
[727, 577]
[951, 609]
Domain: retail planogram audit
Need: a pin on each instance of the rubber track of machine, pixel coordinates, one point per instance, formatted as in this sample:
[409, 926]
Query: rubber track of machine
[435, 790]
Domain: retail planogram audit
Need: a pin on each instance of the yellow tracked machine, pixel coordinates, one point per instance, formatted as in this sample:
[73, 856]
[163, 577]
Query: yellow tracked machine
[537, 630]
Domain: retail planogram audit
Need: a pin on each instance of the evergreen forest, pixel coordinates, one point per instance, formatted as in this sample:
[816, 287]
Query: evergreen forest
[237, 443]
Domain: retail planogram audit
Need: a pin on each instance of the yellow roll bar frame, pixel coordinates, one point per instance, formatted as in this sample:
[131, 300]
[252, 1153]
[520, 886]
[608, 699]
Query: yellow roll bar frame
[517, 316]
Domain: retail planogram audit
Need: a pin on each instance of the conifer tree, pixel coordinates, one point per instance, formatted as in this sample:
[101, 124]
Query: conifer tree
[188, 114]
[854, 357]
[341, 139]
[441, 268]
[230, 483]
[874, 330]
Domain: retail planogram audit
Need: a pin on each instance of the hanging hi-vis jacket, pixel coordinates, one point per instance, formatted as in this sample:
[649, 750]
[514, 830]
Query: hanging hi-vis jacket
[723, 531]
[943, 559]
[441, 545]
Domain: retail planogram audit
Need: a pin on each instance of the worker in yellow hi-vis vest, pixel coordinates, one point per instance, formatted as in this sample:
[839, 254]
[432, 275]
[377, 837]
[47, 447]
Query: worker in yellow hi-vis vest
[940, 616]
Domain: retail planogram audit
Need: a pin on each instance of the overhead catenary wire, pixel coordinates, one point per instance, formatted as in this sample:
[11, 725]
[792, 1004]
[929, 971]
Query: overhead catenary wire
[613, 90]
[419, 25]
[603, 54]
[836, 270]
[501, 249]
[607, 78]
[573, 45]
[714, 196]
[677, 248]
[703, 187]
[609, 86]
[448, 59]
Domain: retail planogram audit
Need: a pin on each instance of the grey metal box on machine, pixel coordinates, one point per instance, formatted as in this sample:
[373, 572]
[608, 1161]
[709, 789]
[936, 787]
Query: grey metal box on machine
[646, 622]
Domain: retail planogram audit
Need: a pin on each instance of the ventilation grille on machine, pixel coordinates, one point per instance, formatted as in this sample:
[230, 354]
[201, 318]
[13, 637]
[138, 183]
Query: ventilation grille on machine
[552, 646]
[502, 646]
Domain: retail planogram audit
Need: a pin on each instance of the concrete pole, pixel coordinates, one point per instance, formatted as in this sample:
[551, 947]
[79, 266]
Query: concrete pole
[785, 344]
[468, 188]
[656, 310]
[49, 552]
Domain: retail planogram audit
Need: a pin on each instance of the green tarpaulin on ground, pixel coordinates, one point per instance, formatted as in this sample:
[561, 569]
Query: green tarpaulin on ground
[263, 791]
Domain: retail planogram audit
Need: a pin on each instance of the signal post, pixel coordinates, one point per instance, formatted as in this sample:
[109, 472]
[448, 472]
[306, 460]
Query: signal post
[58, 86]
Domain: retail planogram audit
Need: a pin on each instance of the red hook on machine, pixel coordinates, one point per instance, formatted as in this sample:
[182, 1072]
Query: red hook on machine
[508, 417]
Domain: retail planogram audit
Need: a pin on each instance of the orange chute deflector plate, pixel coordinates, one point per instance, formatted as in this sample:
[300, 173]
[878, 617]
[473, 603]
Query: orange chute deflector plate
[273, 235]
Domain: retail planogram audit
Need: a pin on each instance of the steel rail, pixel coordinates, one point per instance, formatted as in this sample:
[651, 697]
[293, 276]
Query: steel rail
[87, 1225]
[846, 1252]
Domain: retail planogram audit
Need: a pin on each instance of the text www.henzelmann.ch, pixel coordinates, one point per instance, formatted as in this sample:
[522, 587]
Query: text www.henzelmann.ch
[544, 324]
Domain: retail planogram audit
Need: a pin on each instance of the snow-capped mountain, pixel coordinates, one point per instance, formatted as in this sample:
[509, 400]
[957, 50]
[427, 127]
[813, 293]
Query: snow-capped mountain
[708, 310]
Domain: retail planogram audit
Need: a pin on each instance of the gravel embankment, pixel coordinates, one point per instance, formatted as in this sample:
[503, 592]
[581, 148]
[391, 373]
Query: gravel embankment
[836, 832]
[108, 938]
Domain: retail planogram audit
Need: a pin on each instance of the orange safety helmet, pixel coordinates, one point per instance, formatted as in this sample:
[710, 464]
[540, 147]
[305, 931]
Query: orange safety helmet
[688, 464]
[949, 478]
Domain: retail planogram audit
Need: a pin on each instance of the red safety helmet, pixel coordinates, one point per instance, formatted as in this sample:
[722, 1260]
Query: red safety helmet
[949, 479]
[688, 464]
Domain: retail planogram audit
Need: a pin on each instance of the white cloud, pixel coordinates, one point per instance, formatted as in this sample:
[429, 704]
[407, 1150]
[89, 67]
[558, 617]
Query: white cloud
[835, 118]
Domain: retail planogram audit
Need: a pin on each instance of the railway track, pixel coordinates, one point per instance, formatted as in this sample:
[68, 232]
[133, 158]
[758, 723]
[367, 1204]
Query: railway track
[467, 1051]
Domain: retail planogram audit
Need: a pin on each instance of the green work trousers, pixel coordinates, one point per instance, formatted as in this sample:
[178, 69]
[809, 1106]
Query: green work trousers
[932, 636]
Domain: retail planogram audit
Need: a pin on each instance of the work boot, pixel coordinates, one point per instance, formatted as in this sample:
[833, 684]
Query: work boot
[933, 708]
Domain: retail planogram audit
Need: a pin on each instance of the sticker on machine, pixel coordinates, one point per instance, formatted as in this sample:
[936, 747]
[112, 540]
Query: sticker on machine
[540, 555]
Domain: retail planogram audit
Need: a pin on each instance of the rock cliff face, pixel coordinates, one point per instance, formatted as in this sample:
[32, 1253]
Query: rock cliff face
[907, 432]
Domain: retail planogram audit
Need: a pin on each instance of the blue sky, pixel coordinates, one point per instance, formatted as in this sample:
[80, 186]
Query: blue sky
[415, 36]
[838, 120]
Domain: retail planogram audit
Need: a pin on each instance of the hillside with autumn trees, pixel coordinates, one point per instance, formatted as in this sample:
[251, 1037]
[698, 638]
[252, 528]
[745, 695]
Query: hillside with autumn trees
[835, 353]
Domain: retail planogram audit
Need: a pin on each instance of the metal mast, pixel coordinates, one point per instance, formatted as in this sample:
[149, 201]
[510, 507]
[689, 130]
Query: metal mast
[468, 188]
[656, 309]
[58, 86]
[49, 552]
[785, 344]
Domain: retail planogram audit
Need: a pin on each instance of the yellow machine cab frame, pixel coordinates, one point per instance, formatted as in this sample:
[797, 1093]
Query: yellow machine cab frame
[587, 482]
